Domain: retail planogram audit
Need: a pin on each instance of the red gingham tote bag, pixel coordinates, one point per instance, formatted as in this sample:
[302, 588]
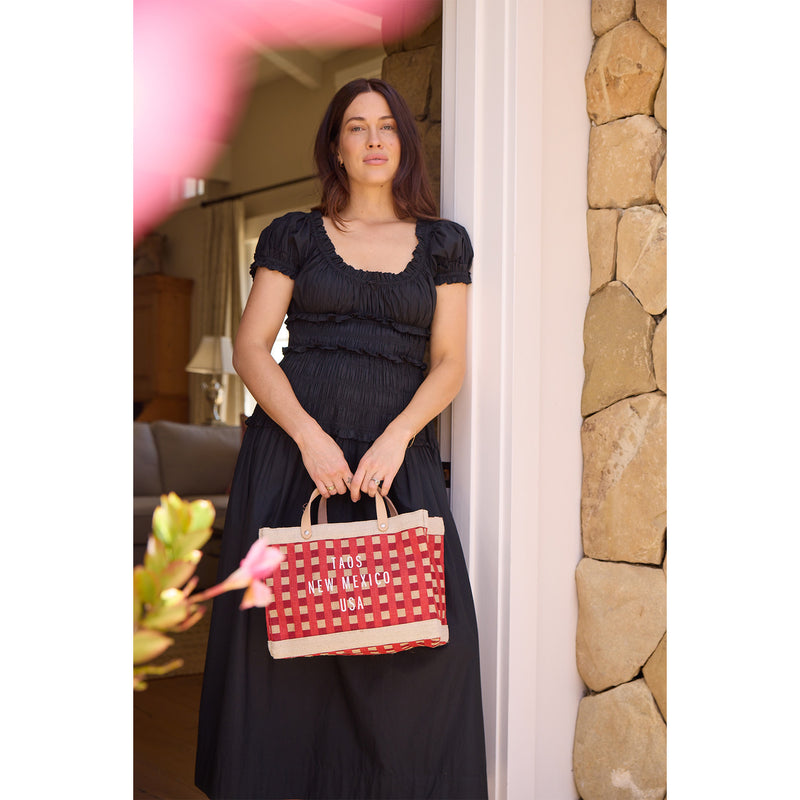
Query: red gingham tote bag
[357, 588]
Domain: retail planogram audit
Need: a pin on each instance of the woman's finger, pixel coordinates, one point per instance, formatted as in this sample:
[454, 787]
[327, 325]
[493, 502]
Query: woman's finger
[386, 484]
[334, 483]
[356, 483]
[375, 484]
[324, 488]
[341, 483]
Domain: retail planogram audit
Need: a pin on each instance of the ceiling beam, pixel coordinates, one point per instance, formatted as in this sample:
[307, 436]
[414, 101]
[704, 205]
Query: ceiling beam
[301, 65]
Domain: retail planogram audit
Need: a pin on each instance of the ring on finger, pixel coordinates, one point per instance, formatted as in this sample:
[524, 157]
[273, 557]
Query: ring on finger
[330, 488]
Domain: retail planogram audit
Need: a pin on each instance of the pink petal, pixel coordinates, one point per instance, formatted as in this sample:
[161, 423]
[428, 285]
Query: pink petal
[257, 595]
[260, 560]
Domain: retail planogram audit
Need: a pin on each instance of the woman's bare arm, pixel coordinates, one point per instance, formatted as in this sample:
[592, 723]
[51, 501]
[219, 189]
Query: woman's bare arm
[261, 321]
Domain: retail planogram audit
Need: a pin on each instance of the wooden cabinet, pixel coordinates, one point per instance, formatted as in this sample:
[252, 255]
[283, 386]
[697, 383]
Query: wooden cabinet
[161, 327]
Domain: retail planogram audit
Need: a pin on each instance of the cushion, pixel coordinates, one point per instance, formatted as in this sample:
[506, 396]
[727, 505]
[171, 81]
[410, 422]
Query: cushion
[143, 508]
[146, 473]
[196, 460]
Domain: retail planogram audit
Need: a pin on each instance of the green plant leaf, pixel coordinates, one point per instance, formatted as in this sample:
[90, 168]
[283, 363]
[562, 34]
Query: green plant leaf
[170, 518]
[146, 585]
[188, 542]
[162, 526]
[149, 644]
[179, 513]
[167, 616]
[201, 516]
[156, 557]
[177, 573]
[140, 673]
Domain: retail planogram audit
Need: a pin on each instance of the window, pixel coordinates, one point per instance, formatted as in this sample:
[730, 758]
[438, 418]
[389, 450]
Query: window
[193, 187]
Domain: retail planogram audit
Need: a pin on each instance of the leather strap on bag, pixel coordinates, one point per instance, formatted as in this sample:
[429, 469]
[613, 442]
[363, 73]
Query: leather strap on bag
[381, 503]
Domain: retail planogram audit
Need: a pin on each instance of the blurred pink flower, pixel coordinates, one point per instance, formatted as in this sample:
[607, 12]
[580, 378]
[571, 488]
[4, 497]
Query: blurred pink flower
[260, 562]
[257, 595]
[194, 64]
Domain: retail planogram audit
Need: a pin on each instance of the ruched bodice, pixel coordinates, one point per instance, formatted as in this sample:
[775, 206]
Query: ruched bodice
[358, 338]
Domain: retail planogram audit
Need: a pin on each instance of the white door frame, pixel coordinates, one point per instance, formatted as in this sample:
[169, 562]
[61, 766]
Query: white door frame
[514, 148]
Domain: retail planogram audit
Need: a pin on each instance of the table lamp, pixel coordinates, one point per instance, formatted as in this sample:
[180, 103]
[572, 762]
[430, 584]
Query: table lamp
[214, 358]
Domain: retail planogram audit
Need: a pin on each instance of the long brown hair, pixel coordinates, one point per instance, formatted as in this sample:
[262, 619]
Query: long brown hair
[410, 188]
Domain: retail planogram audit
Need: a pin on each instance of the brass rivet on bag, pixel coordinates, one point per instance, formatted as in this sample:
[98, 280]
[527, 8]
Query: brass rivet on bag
[382, 526]
[306, 534]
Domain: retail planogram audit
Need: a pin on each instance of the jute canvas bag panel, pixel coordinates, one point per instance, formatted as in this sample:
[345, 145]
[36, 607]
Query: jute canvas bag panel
[357, 588]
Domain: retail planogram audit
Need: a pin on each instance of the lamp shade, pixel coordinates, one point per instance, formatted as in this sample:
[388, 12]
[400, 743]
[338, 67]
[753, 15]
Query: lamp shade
[213, 356]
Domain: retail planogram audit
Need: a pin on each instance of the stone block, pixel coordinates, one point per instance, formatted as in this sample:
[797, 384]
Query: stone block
[660, 355]
[606, 14]
[622, 615]
[624, 157]
[391, 45]
[432, 152]
[624, 484]
[620, 750]
[410, 74]
[601, 233]
[427, 32]
[661, 185]
[624, 73]
[642, 256]
[655, 675]
[435, 106]
[420, 26]
[660, 103]
[653, 15]
[617, 358]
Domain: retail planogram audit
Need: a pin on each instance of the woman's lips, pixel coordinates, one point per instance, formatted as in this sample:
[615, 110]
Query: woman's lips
[376, 160]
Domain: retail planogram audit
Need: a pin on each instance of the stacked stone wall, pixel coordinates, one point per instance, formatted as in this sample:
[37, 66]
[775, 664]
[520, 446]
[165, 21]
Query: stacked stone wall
[413, 65]
[620, 736]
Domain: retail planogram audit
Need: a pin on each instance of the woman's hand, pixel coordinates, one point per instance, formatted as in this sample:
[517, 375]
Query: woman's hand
[325, 463]
[379, 465]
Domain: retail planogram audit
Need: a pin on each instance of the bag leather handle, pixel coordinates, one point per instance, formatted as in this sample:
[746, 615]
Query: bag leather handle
[322, 516]
[322, 510]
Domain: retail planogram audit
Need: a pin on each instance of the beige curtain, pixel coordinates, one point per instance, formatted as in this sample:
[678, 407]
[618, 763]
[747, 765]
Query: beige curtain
[219, 302]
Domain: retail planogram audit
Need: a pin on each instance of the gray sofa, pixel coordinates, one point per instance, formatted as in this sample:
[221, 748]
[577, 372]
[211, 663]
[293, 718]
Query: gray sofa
[194, 461]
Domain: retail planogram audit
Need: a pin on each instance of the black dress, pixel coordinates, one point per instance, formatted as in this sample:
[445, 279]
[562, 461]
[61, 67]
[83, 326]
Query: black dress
[407, 725]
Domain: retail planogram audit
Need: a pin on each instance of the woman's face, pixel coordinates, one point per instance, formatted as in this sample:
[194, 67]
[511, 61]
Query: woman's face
[369, 144]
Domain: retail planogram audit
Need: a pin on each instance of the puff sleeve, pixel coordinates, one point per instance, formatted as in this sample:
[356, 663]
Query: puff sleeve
[451, 251]
[281, 245]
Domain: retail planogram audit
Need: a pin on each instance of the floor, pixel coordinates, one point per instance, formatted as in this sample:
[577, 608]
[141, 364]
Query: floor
[164, 738]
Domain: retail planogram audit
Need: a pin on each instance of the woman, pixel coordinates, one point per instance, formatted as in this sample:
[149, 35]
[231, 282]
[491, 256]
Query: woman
[369, 278]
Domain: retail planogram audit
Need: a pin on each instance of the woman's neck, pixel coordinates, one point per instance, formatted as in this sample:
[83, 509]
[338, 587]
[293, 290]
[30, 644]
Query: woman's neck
[370, 206]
